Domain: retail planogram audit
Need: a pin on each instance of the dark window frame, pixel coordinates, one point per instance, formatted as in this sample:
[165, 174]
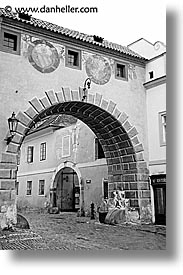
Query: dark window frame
[99, 153]
[12, 33]
[125, 68]
[162, 128]
[29, 188]
[41, 192]
[67, 58]
[30, 154]
[43, 151]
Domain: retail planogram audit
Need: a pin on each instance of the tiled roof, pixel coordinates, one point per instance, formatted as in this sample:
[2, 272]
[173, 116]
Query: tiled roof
[71, 33]
[54, 121]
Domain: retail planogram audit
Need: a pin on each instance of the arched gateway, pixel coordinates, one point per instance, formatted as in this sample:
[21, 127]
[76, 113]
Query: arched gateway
[123, 151]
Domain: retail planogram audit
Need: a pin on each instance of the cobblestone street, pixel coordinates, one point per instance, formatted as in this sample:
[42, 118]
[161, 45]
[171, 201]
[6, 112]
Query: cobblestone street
[66, 231]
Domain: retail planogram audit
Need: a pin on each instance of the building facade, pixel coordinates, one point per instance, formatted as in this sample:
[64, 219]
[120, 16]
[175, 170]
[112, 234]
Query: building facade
[155, 85]
[44, 68]
[56, 159]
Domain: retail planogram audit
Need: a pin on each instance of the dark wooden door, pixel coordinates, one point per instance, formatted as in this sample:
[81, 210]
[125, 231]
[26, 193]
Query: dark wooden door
[160, 204]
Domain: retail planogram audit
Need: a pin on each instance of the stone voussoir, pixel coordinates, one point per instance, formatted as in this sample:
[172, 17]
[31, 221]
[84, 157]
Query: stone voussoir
[12, 148]
[23, 118]
[66, 93]
[45, 102]
[52, 97]
[36, 104]
[31, 112]
[9, 158]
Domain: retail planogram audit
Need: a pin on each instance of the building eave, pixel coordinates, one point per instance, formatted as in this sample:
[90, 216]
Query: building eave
[155, 82]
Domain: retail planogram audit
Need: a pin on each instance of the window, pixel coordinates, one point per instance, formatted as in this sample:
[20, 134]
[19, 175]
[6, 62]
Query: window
[29, 188]
[73, 58]
[99, 153]
[66, 146]
[16, 187]
[30, 151]
[43, 151]
[10, 41]
[41, 187]
[151, 75]
[121, 71]
[162, 128]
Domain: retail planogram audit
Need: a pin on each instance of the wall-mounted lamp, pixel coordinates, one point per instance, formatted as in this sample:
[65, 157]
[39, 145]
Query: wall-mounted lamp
[12, 124]
[87, 85]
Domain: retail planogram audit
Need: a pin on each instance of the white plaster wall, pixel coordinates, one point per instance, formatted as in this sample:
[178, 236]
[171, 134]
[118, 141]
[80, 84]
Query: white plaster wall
[156, 102]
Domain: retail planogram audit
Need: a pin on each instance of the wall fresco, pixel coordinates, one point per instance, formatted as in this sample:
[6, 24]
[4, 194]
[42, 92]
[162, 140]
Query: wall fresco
[42, 55]
[98, 69]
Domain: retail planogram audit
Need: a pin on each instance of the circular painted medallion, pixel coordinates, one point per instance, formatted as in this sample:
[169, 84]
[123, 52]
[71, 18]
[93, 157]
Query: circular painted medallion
[43, 56]
[98, 69]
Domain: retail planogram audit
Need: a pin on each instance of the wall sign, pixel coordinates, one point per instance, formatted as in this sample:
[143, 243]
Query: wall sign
[88, 181]
[43, 56]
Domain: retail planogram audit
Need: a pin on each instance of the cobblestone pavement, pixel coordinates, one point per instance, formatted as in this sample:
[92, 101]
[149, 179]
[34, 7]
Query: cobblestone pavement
[66, 231]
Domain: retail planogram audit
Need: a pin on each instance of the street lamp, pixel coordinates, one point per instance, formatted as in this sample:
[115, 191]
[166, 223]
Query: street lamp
[87, 85]
[12, 124]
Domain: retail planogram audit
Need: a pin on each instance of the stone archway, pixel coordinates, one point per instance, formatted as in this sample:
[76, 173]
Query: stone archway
[127, 169]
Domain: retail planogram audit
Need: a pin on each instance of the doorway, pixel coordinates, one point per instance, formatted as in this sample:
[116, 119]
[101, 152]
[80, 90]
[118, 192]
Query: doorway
[159, 189]
[67, 190]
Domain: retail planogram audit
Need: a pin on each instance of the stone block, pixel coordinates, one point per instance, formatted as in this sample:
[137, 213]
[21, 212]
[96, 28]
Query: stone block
[60, 96]
[143, 186]
[51, 95]
[142, 164]
[21, 129]
[5, 173]
[130, 194]
[133, 132]
[23, 118]
[111, 107]
[5, 195]
[127, 126]
[129, 151]
[116, 113]
[134, 203]
[123, 117]
[67, 94]
[133, 186]
[139, 156]
[104, 104]
[36, 104]
[12, 148]
[135, 141]
[75, 95]
[8, 166]
[31, 112]
[9, 158]
[139, 148]
[129, 178]
[17, 138]
[98, 98]
[127, 158]
[46, 103]
[90, 98]
[7, 184]
[133, 165]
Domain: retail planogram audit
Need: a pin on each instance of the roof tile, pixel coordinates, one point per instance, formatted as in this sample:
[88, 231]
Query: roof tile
[71, 33]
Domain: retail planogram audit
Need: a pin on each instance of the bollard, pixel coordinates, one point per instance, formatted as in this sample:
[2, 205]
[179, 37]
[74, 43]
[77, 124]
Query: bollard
[92, 206]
